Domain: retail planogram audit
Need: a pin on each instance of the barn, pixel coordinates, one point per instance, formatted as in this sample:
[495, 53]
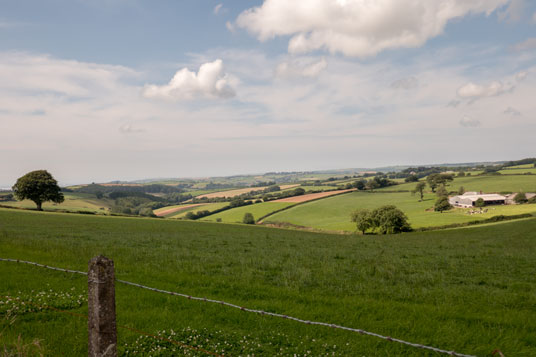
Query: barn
[469, 199]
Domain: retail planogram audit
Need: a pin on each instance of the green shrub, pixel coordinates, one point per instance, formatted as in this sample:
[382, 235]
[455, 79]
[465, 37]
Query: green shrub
[520, 198]
[248, 218]
[442, 204]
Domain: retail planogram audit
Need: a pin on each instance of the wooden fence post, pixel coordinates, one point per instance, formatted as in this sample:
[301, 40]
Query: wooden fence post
[102, 332]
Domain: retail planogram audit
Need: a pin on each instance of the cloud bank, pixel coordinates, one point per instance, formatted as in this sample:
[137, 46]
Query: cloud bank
[354, 27]
[209, 82]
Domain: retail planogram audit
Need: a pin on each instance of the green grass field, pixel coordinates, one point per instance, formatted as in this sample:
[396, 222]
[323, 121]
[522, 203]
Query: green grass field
[518, 171]
[73, 202]
[333, 213]
[468, 290]
[492, 183]
[258, 210]
[524, 166]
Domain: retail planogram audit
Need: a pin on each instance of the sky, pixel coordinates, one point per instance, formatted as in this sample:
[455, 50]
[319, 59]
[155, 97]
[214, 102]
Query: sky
[100, 90]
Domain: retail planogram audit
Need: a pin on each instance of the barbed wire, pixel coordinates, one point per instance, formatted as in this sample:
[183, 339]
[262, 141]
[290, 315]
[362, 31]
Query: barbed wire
[260, 312]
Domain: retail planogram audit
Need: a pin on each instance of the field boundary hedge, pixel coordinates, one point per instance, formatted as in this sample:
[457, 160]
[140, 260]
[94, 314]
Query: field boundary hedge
[499, 218]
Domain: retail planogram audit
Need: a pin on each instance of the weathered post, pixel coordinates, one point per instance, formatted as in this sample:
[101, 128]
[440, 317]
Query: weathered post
[101, 308]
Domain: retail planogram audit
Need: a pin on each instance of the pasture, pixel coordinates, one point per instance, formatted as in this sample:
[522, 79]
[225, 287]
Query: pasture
[487, 183]
[519, 171]
[468, 290]
[258, 210]
[202, 207]
[333, 213]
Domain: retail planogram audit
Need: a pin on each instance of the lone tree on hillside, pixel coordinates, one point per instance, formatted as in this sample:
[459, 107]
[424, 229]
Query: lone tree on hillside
[442, 204]
[38, 186]
[248, 218]
[389, 219]
[420, 189]
[363, 219]
[371, 185]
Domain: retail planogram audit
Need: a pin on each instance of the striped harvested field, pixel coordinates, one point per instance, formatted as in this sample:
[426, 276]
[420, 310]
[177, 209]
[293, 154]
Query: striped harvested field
[313, 196]
[238, 192]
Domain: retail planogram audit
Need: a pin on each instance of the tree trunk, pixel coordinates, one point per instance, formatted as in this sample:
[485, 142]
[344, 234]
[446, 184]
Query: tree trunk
[39, 206]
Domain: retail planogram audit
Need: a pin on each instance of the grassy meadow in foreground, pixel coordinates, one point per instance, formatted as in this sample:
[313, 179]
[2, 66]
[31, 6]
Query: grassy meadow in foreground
[468, 290]
[333, 213]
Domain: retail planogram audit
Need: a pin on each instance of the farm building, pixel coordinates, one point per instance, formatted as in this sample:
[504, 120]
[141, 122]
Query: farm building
[510, 198]
[468, 199]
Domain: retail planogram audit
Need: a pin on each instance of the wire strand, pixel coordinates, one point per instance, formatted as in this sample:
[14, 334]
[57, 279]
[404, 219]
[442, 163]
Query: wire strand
[261, 312]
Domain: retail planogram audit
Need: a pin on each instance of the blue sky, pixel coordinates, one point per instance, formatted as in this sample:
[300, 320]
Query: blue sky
[114, 89]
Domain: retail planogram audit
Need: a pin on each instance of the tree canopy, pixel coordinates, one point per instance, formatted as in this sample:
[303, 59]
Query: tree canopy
[520, 198]
[442, 191]
[442, 204]
[385, 219]
[363, 219]
[389, 219]
[480, 203]
[420, 189]
[248, 218]
[38, 186]
[435, 180]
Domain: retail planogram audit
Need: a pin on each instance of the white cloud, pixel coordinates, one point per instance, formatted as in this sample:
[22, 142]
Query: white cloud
[217, 9]
[355, 27]
[209, 82]
[475, 91]
[526, 45]
[468, 122]
[301, 68]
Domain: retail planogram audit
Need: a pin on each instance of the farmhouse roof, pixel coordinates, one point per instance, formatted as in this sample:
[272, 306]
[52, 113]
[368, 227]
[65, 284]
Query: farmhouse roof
[485, 197]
